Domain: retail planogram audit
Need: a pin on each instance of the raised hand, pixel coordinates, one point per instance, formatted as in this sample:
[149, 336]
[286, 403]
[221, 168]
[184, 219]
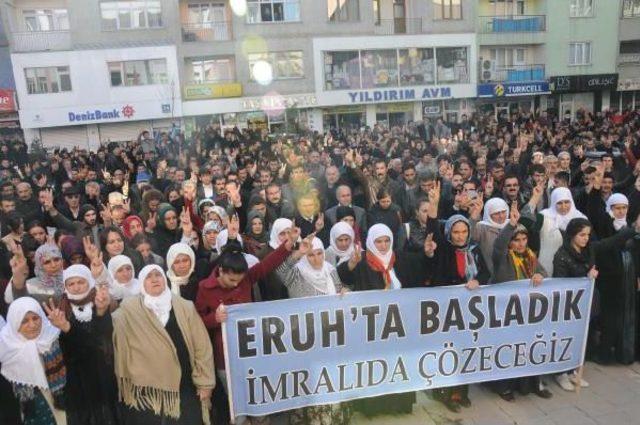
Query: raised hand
[97, 265]
[475, 207]
[294, 235]
[185, 220]
[536, 279]
[488, 187]
[48, 200]
[430, 246]
[234, 226]
[105, 214]
[102, 300]
[127, 205]
[90, 249]
[151, 222]
[434, 193]
[355, 257]
[514, 214]
[18, 264]
[56, 316]
[319, 223]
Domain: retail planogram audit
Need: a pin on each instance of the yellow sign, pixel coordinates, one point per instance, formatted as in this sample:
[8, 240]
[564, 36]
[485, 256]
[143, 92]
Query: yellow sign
[212, 91]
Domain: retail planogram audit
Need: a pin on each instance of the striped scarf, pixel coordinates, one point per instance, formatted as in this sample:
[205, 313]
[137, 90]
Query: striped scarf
[524, 264]
[55, 371]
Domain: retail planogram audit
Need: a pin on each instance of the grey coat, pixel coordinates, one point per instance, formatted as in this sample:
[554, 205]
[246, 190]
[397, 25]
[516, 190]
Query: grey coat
[503, 267]
[295, 283]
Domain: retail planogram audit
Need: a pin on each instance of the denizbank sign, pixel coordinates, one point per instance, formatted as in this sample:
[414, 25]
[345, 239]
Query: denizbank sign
[513, 89]
[126, 111]
[392, 95]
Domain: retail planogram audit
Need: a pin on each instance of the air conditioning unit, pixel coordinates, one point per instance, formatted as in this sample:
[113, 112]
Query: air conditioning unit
[487, 70]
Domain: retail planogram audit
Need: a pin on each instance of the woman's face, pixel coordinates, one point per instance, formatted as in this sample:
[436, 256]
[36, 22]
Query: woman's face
[144, 249]
[135, 228]
[38, 234]
[256, 226]
[174, 196]
[316, 258]
[459, 234]
[284, 235]
[76, 285]
[620, 211]
[215, 218]
[563, 207]
[181, 265]
[31, 326]
[519, 243]
[210, 238]
[115, 244]
[124, 274]
[77, 259]
[343, 242]
[499, 217]
[52, 265]
[383, 244]
[385, 203]
[351, 221]
[154, 283]
[581, 239]
[171, 220]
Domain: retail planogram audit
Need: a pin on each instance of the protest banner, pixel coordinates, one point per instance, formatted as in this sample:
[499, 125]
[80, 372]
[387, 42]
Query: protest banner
[288, 354]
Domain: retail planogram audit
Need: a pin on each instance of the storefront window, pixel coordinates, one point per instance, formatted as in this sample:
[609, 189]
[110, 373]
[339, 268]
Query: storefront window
[416, 66]
[341, 70]
[379, 68]
[452, 65]
[344, 119]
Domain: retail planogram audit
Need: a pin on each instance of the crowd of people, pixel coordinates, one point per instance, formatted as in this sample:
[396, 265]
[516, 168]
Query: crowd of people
[116, 266]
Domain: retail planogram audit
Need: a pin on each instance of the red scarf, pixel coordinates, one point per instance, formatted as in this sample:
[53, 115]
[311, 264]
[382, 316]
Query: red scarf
[375, 263]
[461, 263]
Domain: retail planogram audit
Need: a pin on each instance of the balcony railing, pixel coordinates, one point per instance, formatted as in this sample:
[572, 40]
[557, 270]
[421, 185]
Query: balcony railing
[629, 58]
[399, 26]
[206, 31]
[511, 74]
[37, 41]
[512, 23]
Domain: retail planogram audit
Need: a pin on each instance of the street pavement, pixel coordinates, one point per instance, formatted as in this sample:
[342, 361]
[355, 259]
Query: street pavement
[612, 399]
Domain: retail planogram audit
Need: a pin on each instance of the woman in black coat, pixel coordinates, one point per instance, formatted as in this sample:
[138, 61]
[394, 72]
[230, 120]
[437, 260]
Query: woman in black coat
[383, 269]
[456, 262]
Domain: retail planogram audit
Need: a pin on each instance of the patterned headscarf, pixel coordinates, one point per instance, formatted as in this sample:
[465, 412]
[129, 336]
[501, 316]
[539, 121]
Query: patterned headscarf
[44, 253]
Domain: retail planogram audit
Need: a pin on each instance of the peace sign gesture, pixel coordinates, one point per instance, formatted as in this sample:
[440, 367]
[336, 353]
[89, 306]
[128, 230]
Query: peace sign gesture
[355, 257]
[185, 219]
[151, 222]
[514, 214]
[430, 246]
[56, 316]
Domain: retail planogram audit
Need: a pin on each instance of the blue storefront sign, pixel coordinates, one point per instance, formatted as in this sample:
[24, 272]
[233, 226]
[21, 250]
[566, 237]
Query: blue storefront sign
[513, 89]
[389, 95]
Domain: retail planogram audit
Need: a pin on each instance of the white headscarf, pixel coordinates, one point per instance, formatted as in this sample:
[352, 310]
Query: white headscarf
[561, 221]
[279, 226]
[178, 281]
[493, 206]
[160, 305]
[321, 279]
[118, 290]
[340, 229]
[83, 313]
[377, 231]
[223, 238]
[617, 199]
[20, 357]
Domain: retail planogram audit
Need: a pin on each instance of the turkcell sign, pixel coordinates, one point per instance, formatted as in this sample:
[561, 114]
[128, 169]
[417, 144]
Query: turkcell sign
[390, 95]
[512, 89]
[95, 115]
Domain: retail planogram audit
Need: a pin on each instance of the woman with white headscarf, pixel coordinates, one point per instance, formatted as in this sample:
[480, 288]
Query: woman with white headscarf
[122, 281]
[9, 406]
[82, 316]
[181, 263]
[163, 356]
[617, 277]
[551, 222]
[341, 243]
[273, 287]
[307, 274]
[486, 231]
[381, 268]
[33, 362]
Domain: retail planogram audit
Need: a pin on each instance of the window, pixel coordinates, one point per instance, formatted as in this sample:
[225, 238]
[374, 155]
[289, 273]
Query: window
[581, 8]
[631, 9]
[284, 65]
[452, 65]
[379, 68]
[52, 79]
[273, 11]
[447, 9]
[138, 73]
[120, 15]
[206, 13]
[341, 70]
[343, 10]
[417, 66]
[210, 69]
[46, 20]
[580, 53]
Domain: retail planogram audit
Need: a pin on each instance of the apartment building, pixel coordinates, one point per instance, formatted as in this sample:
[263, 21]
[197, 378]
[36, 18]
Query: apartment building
[628, 94]
[9, 122]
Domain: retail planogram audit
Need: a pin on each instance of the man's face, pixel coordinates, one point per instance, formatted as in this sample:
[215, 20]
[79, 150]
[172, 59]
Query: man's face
[314, 157]
[607, 161]
[92, 175]
[332, 175]
[306, 207]
[220, 185]
[24, 192]
[7, 190]
[481, 164]
[8, 206]
[344, 196]
[427, 185]
[274, 194]
[90, 217]
[465, 170]
[511, 187]
[607, 185]
[409, 176]
[73, 201]
[179, 176]
[265, 177]
[456, 181]
[206, 178]
[538, 177]
[381, 170]
[498, 173]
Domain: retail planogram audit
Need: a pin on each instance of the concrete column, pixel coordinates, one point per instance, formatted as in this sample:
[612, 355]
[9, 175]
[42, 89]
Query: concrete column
[370, 114]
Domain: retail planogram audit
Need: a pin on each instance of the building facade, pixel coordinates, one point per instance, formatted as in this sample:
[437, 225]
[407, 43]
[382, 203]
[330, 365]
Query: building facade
[90, 72]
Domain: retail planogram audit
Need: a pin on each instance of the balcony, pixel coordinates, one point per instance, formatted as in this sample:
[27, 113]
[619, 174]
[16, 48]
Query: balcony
[38, 41]
[511, 74]
[512, 23]
[211, 90]
[206, 31]
[399, 26]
